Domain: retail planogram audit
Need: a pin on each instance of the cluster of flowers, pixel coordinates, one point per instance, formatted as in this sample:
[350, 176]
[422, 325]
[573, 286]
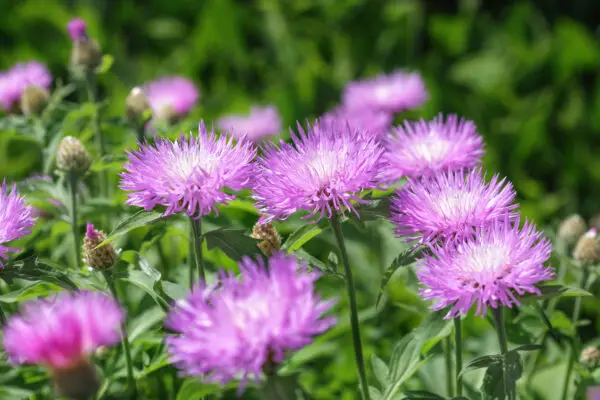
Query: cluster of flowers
[478, 253]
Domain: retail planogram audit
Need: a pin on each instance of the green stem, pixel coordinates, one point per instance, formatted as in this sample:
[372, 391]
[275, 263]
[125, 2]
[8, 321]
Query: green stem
[97, 130]
[574, 350]
[358, 353]
[124, 337]
[498, 314]
[2, 317]
[197, 238]
[458, 354]
[448, 361]
[73, 180]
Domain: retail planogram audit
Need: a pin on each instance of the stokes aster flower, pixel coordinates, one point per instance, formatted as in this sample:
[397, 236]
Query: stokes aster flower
[427, 147]
[492, 267]
[323, 171]
[188, 175]
[448, 205]
[261, 123]
[61, 332]
[171, 97]
[377, 122]
[16, 219]
[247, 323]
[14, 82]
[395, 92]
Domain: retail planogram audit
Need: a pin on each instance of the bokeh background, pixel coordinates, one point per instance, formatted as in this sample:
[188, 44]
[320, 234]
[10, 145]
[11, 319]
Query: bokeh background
[525, 71]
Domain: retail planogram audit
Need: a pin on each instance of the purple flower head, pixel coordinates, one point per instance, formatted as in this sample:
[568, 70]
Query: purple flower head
[14, 81]
[77, 29]
[491, 267]
[91, 232]
[395, 92]
[238, 328]
[261, 123]
[377, 122]
[449, 204]
[171, 95]
[59, 333]
[16, 219]
[189, 174]
[427, 147]
[323, 171]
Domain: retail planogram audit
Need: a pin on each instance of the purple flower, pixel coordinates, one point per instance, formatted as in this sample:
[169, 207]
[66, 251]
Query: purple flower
[189, 174]
[448, 205]
[395, 92]
[261, 123]
[377, 122]
[491, 267]
[323, 171]
[428, 147]
[171, 96]
[77, 29]
[14, 81]
[16, 219]
[59, 333]
[247, 323]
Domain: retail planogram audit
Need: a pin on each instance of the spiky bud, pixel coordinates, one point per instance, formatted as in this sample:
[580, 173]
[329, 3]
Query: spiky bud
[86, 55]
[77, 382]
[270, 239]
[34, 99]
[102, 257]
[587, 249]
[72, 156]
[136, 105]
[590, 357]
[571, 229]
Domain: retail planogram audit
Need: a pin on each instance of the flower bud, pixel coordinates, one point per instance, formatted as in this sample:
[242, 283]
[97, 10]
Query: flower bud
[590, 357]
[571, 229]
[72, 156]
[587, 249]
[34, 99]
[77, 382]
[102, 257]
[86, 55]
[595, 221]
[136, 105]
[271, 241]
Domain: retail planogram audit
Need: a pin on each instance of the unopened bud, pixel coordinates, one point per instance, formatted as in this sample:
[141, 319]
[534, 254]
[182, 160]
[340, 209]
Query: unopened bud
[590, 357]
[72, 156]
[270, 239]
[136, 105]
[77, 382]
[102, 257]
[571, 229]
[34, 99]
[86, 55]
[587, 249]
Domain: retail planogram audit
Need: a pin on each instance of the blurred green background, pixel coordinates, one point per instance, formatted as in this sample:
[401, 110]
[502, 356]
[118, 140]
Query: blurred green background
[524, 71]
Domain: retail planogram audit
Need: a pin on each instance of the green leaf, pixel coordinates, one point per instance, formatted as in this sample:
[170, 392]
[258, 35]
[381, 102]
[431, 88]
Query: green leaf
[551, 291]
[313, 262]
[380, 370]
[280, 388]
[404, 362]
[481, 362]
[143, 322]
[109, 162]
[374, 393]
[141, 280]
[421, 395]
[499, 381]
[30, 291]
[137, 220]
[301, 236]
[193, 389]
[233, 242]
[403, 259]
[375, 209]
[105, 64]
[34, 269]
[134, 257]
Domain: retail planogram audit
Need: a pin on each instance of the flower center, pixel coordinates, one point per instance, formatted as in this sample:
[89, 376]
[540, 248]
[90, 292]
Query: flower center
[454, 203]
[431, 148]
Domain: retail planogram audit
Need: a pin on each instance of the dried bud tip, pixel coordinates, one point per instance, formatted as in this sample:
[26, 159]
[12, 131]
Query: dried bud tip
[136, 104]
[571, 229]
[72, 156]
[77, 29]
[78, 382]
[102, 257]
[34, 99]
[271, 241]
[587, 249]
[590, 357]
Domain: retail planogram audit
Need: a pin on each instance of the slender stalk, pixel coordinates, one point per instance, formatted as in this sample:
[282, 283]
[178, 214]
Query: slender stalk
[574, 349]
[448, 362]
[191, 258]
[96, 129]
[358, 353]
[498, 314]
[125, 339]
[197, 236]
[2, 317]
[458, 354]
[73, 180]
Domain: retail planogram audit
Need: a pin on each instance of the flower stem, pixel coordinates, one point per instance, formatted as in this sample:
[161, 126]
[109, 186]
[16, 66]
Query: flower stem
[197, 238]
[124, 337]
[73, 180]
[360, 363]
[2, 317]
[498, 314]
[448, 361]
[458, 354]
[97, 130]
[574, 350]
